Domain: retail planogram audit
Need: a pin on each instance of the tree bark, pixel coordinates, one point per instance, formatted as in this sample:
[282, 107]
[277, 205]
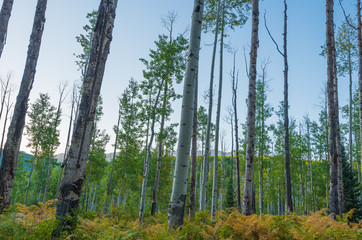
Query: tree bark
[193, 177]
[332, 125]
[15, 132]
[286, 119]
[179, 187]
[4, 22]
[217, 130]
[74, 173]
[249, 172]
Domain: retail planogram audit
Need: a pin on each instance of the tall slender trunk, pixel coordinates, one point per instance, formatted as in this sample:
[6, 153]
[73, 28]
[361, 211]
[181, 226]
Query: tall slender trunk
[146, 164]
[193, 178]
[159, 155]
[286, 119]
[261, 147]
[179, 187]
[234, 103]
[31, 174]
[15, 132]
[249, 172]
[208, 129]
[4, 22]
[332, 125]
[218, 110]
[74, 173]
[105, 210]
[53, 132]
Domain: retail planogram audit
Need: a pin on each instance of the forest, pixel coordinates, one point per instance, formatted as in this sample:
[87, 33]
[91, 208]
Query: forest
[179, 162]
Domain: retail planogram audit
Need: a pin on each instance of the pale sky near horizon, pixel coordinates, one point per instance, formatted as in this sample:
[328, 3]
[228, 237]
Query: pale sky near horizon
[137, 27]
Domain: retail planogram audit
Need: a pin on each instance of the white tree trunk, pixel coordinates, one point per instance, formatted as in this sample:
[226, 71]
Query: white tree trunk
[179, 188]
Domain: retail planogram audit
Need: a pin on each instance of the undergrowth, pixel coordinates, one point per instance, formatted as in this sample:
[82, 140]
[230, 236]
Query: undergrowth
[38, 222]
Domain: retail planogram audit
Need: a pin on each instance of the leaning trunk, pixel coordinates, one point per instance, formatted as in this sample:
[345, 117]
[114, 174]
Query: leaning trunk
[74, 173]
[179, 187]
[249, 172]
[4, 22]
[15, 132]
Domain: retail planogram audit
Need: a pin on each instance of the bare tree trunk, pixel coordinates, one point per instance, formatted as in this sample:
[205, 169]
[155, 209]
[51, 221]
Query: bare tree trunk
[31, 174]
[179, 187]
[4, 91]
[249, 172]
[217, 130]
[234, 103]
[193, 177]
[4, 22]
[15, 132]
[286, 119]
[74, 173]
[332, 125]
[8, 107]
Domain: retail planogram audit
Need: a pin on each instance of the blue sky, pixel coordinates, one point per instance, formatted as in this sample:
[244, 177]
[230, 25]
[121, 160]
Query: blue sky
[137, 27]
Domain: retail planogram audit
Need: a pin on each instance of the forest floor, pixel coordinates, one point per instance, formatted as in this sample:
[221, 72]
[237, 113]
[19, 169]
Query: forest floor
[38, 222]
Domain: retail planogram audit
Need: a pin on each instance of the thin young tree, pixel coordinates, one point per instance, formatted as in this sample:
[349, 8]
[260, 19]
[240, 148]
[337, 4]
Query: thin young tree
[12, 145]
[208, 131]
[41, 115]
[5, 14]
[217, 123]
[249, 169]
[288, 181]
[179, 187]
[235, 81]
[74, 173]
[54, 134]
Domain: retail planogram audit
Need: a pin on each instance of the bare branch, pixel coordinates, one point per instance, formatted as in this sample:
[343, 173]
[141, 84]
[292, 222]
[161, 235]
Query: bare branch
[276, 44]
[347, 17]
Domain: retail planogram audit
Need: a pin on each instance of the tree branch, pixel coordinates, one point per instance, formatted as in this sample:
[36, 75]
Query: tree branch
[347, 20]
[276, 44]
